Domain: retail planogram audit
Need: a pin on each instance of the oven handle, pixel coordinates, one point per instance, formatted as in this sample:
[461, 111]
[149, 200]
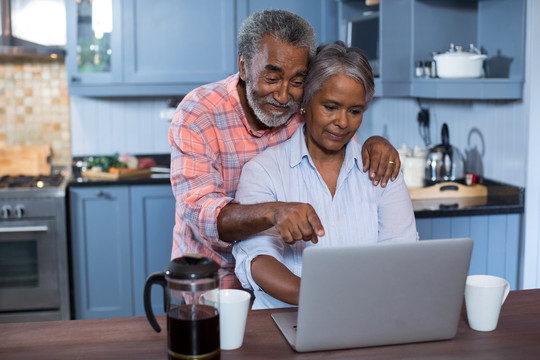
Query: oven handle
[20, 229]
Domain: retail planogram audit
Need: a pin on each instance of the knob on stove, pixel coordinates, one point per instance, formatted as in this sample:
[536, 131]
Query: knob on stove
[5, 211]
[19, 211]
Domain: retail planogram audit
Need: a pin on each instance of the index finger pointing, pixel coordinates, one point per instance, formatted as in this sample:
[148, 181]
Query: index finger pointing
[316, 224]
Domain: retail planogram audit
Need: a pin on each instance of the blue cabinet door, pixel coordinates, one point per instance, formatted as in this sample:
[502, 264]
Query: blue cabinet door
[496, 241]
[180, 41]
[87, 64]
[321, 14]
[101, 252]
[170, 47]
[152, 222]
[158, 48]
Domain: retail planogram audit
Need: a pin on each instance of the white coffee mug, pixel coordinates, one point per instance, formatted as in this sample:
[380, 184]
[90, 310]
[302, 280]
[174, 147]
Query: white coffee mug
[233, 308]
[484, 296]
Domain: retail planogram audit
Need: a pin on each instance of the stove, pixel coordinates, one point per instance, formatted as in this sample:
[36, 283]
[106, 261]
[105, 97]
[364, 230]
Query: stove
[34, 280]
[31, 182]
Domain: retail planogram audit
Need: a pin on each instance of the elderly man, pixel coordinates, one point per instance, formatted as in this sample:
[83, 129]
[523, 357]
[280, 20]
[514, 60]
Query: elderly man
[218, 127]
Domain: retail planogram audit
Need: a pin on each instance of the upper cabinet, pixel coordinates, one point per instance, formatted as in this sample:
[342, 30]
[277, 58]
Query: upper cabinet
[321, 14]
[148, 48]
[404, 32]
[92, 43]
[169, 47]
[165, 47]
[167, 43]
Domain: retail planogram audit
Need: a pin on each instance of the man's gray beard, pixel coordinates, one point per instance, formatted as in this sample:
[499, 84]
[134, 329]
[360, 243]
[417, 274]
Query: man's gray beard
[270, 120]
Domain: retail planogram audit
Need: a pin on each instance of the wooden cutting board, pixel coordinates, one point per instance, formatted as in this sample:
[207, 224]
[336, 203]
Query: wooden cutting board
[448, 190]
[25, 160]
[117, 175]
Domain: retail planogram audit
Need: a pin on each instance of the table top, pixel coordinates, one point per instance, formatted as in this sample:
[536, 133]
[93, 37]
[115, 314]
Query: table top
[517, 336]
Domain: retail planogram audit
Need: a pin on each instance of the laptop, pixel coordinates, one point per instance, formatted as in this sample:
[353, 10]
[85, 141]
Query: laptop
[378, 294]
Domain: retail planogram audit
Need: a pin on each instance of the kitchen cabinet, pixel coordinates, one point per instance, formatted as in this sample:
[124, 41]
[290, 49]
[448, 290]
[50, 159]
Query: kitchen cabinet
[181, 43]
[496, 241]
[93, 42]
[411, 30]
[321, 14]
[119, 236]
[152, 216]
[165, 47]
[160, 47]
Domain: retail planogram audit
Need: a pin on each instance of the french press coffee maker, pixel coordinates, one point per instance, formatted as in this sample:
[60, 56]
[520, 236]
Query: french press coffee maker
[192, 327]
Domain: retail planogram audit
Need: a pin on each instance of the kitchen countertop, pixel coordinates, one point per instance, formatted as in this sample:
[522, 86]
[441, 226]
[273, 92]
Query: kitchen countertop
[162, 160]
[501, 199]
[142, 181]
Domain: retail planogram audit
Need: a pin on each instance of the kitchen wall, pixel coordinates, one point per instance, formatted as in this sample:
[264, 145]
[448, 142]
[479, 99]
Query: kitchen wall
[34, 106]
[531, 230]
[493, 130]
[102, 126]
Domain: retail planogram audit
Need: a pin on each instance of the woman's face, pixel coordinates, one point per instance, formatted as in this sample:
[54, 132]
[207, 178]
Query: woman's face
[334, 114]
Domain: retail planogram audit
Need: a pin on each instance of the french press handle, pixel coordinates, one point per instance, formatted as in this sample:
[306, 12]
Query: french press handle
[155, 278]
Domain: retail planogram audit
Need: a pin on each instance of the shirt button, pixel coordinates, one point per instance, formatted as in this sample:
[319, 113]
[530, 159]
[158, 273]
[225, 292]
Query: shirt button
[271, 138]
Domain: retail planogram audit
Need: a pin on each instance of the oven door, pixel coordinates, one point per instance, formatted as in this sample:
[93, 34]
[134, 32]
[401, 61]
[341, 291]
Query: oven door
[28, 265]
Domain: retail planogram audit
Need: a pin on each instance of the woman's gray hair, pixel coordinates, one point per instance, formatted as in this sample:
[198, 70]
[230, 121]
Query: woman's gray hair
[335, 59]
[283, 25]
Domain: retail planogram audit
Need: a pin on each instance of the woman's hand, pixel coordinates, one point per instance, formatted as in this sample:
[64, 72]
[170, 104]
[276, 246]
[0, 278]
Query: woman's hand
[382, 160]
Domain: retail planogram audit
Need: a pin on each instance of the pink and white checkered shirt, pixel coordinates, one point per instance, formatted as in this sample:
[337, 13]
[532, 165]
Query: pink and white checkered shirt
[210, 141]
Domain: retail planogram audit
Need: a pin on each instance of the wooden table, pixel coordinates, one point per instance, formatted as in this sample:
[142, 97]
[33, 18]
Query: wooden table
[516, 337]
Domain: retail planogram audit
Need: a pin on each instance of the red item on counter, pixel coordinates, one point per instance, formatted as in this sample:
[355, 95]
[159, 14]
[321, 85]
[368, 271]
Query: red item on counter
[471, 178]
[146, 163]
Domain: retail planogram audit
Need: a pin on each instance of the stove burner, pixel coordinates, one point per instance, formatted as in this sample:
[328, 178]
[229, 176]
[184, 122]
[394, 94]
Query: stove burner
[25, 182]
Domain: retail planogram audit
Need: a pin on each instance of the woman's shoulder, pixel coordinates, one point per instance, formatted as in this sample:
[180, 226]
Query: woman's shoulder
[273, 154]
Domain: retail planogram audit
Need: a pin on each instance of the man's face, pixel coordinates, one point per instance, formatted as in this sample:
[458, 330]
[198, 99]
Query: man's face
[275, 80]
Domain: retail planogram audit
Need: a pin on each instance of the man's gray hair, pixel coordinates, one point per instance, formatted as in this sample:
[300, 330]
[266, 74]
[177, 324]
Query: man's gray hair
[335, 59]
[283, 25]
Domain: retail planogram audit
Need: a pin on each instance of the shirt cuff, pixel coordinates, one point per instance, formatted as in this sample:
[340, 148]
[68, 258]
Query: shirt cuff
[208, 220]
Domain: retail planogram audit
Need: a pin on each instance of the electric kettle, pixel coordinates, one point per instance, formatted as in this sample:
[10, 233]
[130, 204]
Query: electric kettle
[444, 162]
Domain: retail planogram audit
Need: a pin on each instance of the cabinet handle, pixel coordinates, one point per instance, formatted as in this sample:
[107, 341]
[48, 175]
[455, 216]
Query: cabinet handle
[100, 193]
[75, 79]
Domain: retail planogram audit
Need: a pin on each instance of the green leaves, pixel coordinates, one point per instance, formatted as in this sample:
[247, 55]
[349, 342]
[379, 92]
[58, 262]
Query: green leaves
[105, 162]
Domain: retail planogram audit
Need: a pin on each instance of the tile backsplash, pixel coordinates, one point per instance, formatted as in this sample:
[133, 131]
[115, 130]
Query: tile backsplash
[34, 106]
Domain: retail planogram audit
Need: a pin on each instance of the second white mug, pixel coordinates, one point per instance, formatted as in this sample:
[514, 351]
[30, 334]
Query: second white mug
[484, 296]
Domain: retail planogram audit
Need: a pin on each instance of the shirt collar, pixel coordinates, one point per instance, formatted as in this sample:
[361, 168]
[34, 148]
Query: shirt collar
[235, 97]
[298, 148]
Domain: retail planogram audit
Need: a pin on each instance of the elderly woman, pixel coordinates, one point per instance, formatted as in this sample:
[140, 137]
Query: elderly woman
[321, 165]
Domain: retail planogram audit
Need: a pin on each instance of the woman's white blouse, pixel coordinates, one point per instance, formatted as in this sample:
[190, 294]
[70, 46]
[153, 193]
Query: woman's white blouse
[358, 213]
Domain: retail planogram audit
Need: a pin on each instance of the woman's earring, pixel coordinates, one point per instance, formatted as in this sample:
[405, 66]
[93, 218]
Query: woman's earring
[302, 111]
